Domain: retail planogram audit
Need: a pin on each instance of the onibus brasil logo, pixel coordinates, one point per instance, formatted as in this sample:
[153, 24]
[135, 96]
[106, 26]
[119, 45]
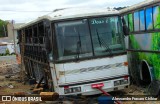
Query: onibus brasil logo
[14, 98]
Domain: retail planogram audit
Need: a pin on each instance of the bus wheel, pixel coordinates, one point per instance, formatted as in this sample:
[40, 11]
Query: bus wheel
[145, 74]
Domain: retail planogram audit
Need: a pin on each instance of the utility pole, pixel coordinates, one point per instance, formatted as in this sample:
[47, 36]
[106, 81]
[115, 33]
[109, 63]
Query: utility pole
[14, 37]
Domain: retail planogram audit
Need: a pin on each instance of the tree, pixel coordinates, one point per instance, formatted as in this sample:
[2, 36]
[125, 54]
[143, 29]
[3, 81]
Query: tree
[7, 52]
[119, 8]
[3, 28]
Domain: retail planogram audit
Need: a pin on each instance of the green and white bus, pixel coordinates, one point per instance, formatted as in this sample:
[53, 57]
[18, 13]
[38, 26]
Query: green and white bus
[143, 21]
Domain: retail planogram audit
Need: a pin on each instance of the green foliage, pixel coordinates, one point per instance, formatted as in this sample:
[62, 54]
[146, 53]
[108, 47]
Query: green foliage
[3, 28]
[1, 54]
[7, 52]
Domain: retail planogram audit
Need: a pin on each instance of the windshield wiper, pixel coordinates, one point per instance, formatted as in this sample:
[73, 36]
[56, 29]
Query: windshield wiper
[99, 38]
[78, 46]
[78, 49]
[102, 43]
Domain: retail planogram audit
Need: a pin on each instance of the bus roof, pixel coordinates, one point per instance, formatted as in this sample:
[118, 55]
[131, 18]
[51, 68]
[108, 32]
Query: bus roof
[67, 13]
[139, 5]
[81, 12]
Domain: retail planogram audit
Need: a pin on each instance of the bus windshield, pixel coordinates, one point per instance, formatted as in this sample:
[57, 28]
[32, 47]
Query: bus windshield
[89, 37]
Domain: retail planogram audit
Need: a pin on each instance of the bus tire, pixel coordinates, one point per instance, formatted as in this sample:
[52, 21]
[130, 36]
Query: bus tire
[145, 74]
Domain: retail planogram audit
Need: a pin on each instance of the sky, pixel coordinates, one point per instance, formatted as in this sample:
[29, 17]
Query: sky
[22, 11]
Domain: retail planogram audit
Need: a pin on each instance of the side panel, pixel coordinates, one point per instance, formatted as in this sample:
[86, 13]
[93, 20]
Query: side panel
[95, 69]
[145, 42]
[34, 51]
[150, 42]
[91, 70]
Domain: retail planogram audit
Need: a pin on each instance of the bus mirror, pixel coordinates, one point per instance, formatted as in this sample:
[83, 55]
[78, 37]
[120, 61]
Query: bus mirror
[125, 28]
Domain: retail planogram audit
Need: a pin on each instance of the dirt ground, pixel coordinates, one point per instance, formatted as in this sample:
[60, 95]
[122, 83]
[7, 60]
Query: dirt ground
[10, 83]
[7, 89]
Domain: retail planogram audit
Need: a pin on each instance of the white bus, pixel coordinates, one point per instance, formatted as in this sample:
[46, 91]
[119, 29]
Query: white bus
[85, 47]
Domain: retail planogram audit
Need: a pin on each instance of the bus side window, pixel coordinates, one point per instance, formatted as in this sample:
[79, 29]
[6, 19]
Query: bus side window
[136, 21]
[149, 20]
[156, 17]
[130, 22]
[142, 21]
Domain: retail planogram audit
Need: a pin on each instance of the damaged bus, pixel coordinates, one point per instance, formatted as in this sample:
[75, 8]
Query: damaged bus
[73, 49]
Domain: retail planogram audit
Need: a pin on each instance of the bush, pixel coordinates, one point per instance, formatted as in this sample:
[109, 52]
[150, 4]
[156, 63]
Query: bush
[1, 54]
[7, 52]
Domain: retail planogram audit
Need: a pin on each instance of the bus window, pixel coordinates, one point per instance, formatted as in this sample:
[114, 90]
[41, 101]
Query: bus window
[130, 22]
[106, 35]
[73, 39]
[156, 17]
[136, 21]
[142, 22]
[149, 20]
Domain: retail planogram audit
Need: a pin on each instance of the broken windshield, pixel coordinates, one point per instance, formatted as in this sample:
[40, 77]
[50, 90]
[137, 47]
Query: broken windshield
[106, 35]
[73, 40]
[89, 37]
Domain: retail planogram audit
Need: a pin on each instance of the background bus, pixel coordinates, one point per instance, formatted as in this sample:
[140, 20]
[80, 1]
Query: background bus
[143, 21]
[83, 46]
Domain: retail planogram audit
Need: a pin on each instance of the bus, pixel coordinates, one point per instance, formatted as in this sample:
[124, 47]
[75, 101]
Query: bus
[143, 21]
[72, 49]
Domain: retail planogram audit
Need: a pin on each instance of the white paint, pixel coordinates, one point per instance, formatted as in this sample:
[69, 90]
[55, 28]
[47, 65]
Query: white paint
[73, 13]
[91, 75]
[98, 74]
